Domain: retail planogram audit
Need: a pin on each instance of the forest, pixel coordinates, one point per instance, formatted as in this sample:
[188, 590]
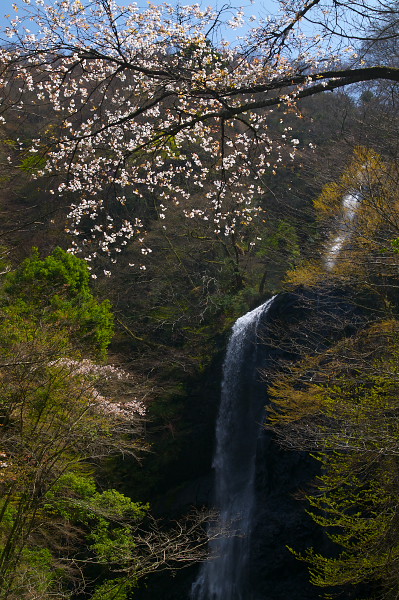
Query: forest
[160, 179]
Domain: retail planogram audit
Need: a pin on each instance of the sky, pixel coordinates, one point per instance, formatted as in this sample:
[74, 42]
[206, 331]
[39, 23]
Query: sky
[258, 8]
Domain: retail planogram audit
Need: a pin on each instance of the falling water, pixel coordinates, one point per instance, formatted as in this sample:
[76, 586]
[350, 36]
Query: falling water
[237, 430]
[350, 203]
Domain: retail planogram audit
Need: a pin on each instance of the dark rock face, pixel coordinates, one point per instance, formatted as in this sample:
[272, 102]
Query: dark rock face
[305, 321]
[299, 323]
[280, 521]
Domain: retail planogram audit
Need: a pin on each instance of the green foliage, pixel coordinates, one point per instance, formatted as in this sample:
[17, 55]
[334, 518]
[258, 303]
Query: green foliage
[115, 505]
[284, 239]
[69, 496]
[356, 503]
[114, 589]
[109, 516]
[395, 245]
[36, 571]
[33, 163]
[56, 290]
[53, 420]
[345, 403]
[112, 545]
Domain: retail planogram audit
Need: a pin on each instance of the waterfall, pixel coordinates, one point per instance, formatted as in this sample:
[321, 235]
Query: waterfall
[238, 426]
[350, 204]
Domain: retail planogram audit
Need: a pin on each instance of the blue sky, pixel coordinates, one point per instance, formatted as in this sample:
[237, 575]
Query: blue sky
[259, 8]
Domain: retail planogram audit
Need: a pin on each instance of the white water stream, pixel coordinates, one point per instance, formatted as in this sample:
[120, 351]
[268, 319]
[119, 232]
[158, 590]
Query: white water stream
[350, 204]
[238, 426]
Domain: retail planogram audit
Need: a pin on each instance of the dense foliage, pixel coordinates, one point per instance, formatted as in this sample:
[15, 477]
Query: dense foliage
[62, 416]
[340, 400]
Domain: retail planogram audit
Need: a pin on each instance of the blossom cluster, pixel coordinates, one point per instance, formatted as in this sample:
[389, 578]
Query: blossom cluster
[147, 104]
[88, 368]
[96, 376]
[122, 410]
